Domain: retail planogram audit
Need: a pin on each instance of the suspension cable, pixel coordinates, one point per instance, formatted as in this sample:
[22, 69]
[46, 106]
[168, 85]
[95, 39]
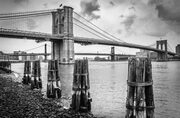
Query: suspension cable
[33, 48]
[23, 16]
[151, 45]
[93, 29]
[28, 12]
[170, 47]
[99, 28]
[89, 31]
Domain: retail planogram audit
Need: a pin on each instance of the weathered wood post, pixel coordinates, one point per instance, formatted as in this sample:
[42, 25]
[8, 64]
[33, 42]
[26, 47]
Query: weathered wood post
[6, 66]
[45, 51]
[27, 72]
[81, 101]
[140, 100]
[53, 84]
[36, 81]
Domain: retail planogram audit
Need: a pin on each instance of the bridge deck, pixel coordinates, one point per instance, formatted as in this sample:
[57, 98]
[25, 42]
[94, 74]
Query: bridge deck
[9, 33]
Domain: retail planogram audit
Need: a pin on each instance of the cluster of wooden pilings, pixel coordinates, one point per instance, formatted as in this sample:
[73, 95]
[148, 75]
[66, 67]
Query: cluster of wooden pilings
[32, 77]
[53, 85]
[140, 100]
[36, 81]
[81, 101]
[27, 73]
[5, 66]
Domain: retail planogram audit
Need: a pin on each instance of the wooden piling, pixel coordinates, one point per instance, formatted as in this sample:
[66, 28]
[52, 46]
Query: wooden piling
[53, 84]
[36, 81]
[140, 100]
[81, 101]
[27, 72]
[5, 66]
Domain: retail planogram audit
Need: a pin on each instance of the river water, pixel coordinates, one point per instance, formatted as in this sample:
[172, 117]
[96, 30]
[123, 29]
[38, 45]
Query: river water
[109, 87]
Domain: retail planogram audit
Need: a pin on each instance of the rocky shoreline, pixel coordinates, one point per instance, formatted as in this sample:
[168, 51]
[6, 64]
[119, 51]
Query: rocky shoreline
[19, 101]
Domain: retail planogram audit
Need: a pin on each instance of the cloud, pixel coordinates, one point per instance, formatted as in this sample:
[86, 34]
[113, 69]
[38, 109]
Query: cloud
[169, 12]
[128, 22]
[88, 7]
[20, 1]
[156, 34]
[118, 1]
[172, 13]
[111, 3]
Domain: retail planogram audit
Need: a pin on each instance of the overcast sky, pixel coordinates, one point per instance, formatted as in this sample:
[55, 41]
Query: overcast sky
[133, 21]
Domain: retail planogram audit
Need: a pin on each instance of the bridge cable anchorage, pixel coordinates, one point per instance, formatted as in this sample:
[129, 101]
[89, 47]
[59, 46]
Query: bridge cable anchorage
[95, 30]
[99, 28]
[90, 31]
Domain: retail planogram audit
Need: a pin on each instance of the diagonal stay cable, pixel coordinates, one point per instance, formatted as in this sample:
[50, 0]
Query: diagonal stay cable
[170, 47]
[89, 31]
[94, 30]
[33, 48]
[99, 28]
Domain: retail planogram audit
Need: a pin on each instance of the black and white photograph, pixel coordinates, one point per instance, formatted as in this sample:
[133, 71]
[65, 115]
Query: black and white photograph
[89, 59]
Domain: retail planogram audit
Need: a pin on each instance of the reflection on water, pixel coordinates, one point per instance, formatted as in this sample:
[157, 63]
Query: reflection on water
[108, 87]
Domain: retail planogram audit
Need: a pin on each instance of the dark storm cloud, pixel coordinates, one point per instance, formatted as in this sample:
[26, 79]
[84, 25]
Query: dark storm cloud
[154, 2]
[167, 9]
[128, 22]
[88, 7]
[111, 3]
[118, 1]
[20, 1]
[168, 14]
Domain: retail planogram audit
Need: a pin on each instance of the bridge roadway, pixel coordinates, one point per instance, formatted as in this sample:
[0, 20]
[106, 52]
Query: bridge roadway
[11, 33]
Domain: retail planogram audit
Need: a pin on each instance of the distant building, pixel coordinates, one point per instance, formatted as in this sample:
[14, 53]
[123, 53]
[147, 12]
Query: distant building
[4, 56]
[100, 59]
[153, 55]
[40, 57]
[178, 49]
[33, 57]
[143, 53]
[23, 58]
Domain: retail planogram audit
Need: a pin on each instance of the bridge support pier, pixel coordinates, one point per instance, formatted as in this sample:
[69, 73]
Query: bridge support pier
[159, 45]
[112, 54]
[63, 50]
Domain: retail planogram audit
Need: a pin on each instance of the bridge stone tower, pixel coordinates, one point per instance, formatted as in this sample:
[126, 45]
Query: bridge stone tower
[112, 54]
[62, 23]
[162, 45]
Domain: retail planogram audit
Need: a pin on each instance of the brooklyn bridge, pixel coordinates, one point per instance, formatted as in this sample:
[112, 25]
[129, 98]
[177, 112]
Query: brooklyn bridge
[63, 38]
